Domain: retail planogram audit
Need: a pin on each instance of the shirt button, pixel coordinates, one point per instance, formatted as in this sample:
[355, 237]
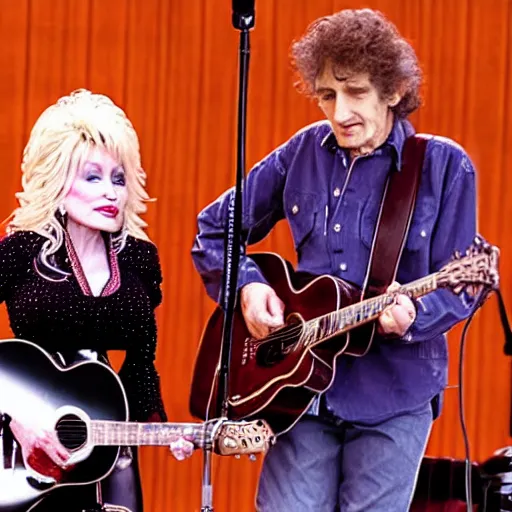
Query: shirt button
[337, 228]
[423, 233]
[295, 209]
[343, 267]
[337, 192]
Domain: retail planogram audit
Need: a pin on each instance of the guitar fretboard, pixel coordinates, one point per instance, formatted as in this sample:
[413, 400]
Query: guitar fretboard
[352, 316]
[114, 433]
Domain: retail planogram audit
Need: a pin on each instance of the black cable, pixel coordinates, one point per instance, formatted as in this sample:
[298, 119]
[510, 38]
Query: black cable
[467, 472]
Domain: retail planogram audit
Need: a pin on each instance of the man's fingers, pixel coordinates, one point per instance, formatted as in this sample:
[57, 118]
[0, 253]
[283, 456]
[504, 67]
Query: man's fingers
[275, 311]
[387, 321]
[257, 330]
[262, 320]
[396, 319]
[393, 287]
[407, 305]
[401, 316]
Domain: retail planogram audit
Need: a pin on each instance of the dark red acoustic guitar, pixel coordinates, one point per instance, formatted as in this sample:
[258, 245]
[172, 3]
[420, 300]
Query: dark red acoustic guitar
[278, 377]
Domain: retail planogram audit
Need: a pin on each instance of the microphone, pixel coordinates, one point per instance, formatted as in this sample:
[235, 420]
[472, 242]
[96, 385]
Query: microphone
[243, 14]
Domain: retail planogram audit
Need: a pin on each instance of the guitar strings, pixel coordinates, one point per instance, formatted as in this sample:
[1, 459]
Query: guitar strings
[72, 427]
[287, 334]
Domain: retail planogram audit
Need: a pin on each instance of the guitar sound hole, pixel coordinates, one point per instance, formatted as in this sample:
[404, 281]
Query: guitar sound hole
[274, 350]
[71, 431]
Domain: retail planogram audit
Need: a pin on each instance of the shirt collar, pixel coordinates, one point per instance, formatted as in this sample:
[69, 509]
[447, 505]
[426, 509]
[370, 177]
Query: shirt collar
[402, 129]
[329, 142]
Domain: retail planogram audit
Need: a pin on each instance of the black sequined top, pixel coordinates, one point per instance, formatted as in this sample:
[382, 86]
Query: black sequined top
[60, 317]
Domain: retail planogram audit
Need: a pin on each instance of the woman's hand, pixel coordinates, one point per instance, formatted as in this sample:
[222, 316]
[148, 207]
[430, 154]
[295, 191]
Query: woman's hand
[41, 449]
[182, 449]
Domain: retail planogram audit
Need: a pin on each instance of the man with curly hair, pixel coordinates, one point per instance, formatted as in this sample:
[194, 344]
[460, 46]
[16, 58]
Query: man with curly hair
[360, 445]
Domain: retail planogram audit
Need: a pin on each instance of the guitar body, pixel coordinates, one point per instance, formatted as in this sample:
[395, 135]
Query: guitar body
[28, 371]
[278, 378]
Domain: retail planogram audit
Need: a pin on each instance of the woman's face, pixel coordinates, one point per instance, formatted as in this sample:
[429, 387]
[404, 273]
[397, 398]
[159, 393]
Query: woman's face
[98, 195]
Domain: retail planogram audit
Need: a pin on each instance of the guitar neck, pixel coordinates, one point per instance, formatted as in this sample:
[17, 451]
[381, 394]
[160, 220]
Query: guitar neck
[357, 314]
[116, 433]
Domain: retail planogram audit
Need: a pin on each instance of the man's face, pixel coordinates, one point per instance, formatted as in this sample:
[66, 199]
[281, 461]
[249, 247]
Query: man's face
[361, 120]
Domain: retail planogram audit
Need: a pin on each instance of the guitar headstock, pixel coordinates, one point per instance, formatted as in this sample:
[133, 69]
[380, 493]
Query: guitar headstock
[243, 437]
[478, 267]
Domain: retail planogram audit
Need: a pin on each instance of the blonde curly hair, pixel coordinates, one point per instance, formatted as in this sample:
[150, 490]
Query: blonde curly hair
[57, 148]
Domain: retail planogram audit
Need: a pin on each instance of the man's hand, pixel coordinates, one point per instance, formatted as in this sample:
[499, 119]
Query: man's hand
[398, 317]
[262, 309]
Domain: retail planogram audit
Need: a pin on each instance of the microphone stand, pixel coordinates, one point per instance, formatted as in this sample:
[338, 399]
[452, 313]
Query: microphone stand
[242, 21]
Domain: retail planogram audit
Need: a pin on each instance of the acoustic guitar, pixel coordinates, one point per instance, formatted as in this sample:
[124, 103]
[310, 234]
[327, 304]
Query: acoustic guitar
[278, 377]
[88, 410]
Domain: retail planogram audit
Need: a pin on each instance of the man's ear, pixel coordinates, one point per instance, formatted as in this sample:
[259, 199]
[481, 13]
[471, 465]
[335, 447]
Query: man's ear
[395, 99]
[397, 96]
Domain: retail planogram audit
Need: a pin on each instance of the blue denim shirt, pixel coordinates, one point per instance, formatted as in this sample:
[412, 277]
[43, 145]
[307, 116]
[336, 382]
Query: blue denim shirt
[331, 205]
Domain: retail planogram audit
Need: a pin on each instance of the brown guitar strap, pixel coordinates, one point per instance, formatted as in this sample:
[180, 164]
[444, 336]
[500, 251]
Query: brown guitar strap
[395, 217]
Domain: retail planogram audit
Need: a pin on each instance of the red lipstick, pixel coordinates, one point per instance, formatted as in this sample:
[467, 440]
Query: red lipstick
[110, 211]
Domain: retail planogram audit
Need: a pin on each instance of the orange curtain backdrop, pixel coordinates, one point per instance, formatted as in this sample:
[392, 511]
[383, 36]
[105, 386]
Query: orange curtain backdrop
[172, 65]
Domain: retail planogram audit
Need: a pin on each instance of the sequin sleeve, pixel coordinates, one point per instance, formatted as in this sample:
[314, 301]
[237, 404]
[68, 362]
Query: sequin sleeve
[139, 374]
[142, 385]
[144, 260]
[17, 253]
[153, 275]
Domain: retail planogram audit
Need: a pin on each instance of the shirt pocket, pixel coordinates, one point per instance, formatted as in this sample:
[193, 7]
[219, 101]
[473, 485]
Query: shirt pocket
[301, 209]
[420, 230]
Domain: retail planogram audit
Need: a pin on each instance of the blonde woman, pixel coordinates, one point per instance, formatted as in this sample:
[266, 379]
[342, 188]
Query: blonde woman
[78, 273]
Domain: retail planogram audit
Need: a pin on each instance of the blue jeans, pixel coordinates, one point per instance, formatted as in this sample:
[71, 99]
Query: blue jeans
[325, 465]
